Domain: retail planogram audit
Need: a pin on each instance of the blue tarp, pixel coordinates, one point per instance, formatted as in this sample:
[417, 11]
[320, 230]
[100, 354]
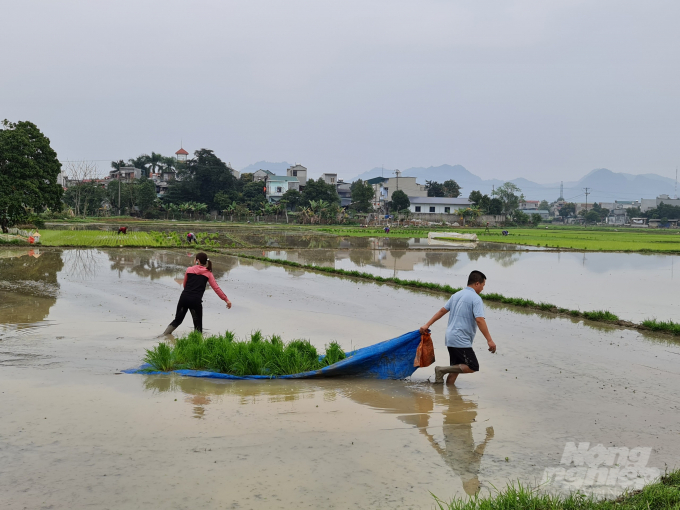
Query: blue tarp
[391, 359]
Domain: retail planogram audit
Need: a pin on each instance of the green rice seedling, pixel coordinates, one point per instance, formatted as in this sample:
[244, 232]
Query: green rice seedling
[546, 306]
[562, 310]
[256, 356]
[665, 326]
[574, 313]
[601, 315]
[160, 357]
[333, 354]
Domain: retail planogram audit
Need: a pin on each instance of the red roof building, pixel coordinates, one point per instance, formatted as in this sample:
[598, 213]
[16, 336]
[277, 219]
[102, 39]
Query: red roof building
[181, 155]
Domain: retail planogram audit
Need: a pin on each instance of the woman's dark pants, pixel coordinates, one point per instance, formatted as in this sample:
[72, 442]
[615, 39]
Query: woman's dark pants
[192, 304]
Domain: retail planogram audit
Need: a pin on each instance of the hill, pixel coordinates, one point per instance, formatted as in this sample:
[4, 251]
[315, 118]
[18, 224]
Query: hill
[604, 185]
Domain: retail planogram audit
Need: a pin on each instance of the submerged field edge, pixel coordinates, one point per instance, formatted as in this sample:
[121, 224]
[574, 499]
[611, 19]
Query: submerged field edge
[661, 494]
[604, 316]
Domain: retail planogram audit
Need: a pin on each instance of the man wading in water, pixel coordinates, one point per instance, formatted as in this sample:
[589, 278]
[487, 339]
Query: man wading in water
[467, 313]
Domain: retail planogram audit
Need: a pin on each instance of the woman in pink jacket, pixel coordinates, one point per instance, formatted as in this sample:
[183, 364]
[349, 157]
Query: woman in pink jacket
[191, 298]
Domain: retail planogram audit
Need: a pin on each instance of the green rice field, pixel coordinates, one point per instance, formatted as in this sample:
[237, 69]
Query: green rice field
[97, 238]
[587, 239]
[103, 238]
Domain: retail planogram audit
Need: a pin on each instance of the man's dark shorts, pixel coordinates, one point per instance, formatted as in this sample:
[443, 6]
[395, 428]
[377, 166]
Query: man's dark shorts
[463, 356]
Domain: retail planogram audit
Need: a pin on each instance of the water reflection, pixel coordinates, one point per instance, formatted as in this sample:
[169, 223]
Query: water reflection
[28, 285]
[201, 392]
[155, 264]
[393, 259]
[419, 406]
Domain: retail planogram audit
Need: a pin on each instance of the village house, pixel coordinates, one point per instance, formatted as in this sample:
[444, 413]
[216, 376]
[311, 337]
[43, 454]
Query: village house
[652, 203]
[330, 178]
[345, 193]
[438, 205]
[617, 217]
[384, 187]
[300, 172]
[262, 175]
[277, 185]
[529, 205]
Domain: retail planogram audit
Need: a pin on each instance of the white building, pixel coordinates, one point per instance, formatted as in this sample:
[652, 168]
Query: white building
[298, 171]
[438, 205]
[529, 205]
[653, 203]
[330, 178]
[277, 185]
[543, 213]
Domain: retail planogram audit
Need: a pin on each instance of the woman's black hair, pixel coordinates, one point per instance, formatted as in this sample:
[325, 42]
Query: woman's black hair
[204, 260]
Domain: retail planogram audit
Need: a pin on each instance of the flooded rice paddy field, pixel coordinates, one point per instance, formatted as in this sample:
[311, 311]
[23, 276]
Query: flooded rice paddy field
[75, 433]
[632, 285]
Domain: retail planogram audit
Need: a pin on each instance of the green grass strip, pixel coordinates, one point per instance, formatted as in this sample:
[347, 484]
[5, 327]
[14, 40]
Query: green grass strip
[256, 356]
[664, 494]
[594, 315]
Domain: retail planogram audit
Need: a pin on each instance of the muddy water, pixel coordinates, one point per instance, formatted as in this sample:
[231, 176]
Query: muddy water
[76, 434]
[632, 285]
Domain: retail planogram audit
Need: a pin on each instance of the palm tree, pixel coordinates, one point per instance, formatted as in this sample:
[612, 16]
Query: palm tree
[184, 207]
[154, 162]
[200, 208]
[140, 162]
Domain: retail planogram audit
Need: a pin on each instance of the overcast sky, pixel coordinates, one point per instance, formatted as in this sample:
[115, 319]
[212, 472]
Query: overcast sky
[546, 90]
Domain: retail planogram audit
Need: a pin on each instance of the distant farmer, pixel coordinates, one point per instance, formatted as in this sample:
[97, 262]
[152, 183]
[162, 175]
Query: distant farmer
[505, 232]
[387, 229]
[467, 313]
[486, 230]
[191, 298]
[122, 230]
[191, 238]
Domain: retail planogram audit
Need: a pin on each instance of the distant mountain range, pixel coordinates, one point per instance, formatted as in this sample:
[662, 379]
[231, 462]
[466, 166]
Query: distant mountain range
[604, 185]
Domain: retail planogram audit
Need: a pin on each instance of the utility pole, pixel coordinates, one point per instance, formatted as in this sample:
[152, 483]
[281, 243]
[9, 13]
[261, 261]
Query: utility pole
[587, 193]
[493, 190]
[561, 190]
[119, 190]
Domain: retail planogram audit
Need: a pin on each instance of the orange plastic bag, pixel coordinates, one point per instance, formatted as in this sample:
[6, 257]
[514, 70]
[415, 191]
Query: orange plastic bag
[425, 352]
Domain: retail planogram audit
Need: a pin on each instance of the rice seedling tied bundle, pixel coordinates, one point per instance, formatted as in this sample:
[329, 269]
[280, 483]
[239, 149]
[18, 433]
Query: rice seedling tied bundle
[259, 355]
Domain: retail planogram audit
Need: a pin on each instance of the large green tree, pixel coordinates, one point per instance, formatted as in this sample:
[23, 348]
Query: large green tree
[28, 173]
[399, 201]
[362, 196]
[434, 189]
[316, 190]
[253, 195]
[451, 188]
[291, 199]
[201, 179]
[145, 190]
[567, 209]
[510, 196]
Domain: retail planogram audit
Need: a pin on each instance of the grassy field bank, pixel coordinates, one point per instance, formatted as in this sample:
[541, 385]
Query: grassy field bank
[662, 495]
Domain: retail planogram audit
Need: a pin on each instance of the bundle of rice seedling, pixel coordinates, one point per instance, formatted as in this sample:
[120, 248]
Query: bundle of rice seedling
[256, 356]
